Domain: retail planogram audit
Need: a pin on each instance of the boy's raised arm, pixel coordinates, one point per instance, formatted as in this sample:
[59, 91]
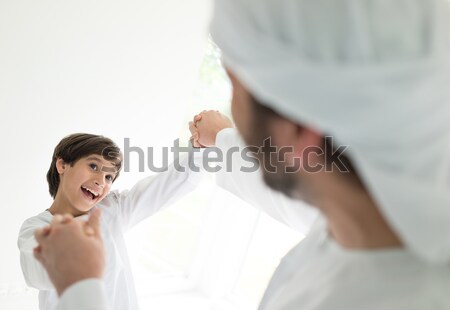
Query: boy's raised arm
[156, 192]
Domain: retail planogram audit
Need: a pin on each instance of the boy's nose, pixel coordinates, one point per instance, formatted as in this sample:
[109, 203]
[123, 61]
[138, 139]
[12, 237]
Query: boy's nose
[100, 183]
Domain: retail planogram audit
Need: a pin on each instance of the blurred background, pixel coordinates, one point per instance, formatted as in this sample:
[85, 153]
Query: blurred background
[136, 70]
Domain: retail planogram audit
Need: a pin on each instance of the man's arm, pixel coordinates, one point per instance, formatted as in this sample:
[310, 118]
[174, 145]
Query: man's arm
[72, 253]
[212, 128]
[86, 294]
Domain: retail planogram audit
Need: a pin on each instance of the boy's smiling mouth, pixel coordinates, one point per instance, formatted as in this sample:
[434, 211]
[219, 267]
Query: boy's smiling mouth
[89, 192]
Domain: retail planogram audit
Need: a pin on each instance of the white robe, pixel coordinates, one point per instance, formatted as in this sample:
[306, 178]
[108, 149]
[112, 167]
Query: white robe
[121, 211]
[318, 274]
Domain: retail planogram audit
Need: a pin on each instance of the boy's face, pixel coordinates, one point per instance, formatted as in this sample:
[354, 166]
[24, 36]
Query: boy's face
[84, 184]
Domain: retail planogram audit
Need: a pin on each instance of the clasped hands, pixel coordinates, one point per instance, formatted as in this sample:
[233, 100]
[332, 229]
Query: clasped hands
[205, 127]
[71, 250]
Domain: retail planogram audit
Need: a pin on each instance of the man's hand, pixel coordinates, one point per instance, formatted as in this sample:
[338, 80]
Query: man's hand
[205, 127]
[71, 250]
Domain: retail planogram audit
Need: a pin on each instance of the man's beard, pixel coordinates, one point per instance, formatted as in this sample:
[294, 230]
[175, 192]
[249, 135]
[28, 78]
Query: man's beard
[279, 180]
[274, 170]
[285, 184]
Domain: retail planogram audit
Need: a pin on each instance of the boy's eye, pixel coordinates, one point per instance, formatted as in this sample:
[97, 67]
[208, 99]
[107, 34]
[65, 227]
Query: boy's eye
[110, 178]
[93, 166]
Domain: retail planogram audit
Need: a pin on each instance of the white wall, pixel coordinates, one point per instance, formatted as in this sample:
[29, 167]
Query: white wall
[118, 68]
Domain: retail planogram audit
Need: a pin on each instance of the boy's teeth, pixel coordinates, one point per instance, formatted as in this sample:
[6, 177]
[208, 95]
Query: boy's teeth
[89, 190]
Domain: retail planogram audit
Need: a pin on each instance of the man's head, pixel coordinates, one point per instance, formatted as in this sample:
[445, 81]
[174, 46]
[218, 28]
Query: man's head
[83, 168]
[370, 73]
[287, 150]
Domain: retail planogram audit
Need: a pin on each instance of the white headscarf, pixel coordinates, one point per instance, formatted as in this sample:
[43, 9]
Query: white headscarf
[375, 74]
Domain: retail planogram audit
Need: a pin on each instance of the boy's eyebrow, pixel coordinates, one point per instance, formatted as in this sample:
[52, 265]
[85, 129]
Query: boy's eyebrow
[109, 169]
[104, 168]
[94, 158]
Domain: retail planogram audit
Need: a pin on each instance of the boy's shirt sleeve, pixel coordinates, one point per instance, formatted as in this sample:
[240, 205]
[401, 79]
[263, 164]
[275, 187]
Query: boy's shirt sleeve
[33, 271]
[243, 178]
[156, 192]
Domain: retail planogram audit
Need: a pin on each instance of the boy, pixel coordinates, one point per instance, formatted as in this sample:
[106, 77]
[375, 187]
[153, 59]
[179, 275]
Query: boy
[83, 168]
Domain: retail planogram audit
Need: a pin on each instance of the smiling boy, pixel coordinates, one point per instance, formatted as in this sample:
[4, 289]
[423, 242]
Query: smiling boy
[82, 171]
[83, 168]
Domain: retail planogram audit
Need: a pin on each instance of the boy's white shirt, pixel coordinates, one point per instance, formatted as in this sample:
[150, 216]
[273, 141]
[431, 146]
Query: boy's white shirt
[121, 211]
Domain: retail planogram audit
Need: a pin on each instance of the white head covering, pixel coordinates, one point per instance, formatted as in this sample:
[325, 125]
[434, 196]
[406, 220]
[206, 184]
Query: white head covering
[375, 74]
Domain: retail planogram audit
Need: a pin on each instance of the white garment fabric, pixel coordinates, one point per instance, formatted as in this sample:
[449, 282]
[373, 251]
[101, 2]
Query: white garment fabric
[250, 187]
[373, 74]
[121, 211]
[88, 294]
[318, 274]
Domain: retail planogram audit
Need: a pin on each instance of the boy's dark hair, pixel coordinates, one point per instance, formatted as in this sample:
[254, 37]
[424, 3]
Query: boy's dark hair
[79, 145]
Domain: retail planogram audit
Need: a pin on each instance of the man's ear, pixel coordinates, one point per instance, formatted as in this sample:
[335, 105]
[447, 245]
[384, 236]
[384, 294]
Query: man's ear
[60, 165]
[308, 138]
[309, 148]
[303, 141]
[288, 133]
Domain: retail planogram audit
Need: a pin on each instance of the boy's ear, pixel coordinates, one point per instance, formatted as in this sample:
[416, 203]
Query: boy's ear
[60, 165]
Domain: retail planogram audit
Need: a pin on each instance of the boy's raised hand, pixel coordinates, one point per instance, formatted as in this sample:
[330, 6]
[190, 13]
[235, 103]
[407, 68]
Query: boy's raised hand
[194, 135]
[205, 127]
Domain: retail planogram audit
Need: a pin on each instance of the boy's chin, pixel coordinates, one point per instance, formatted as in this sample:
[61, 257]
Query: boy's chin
[84, 208]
